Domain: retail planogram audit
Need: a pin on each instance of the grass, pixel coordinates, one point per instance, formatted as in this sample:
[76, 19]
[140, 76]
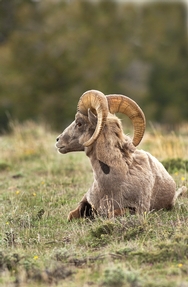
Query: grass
[38, 247]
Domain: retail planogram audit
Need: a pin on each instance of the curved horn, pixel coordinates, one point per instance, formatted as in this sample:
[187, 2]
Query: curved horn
[125, 105]
[97, 102]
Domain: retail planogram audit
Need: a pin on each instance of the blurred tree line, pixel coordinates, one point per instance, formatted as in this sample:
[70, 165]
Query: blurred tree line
[52, 51]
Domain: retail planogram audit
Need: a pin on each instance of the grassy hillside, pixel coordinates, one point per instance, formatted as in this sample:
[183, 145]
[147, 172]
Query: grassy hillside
[38, 188]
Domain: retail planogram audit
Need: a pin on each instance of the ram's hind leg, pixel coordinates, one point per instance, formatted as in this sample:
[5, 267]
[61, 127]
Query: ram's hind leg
[84, 209]
[121, 212]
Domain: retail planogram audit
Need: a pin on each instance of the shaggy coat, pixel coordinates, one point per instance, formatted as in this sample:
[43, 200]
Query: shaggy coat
[125, 178]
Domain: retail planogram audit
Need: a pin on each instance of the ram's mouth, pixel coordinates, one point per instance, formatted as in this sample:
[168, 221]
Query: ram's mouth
[57, 145]
[60, 149]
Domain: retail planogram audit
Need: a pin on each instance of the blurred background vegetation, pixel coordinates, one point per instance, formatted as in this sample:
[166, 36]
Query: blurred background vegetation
[52, 51]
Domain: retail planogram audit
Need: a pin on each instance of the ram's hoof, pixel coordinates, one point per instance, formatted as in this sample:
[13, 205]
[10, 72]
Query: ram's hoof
[116, 212]
[75, 214]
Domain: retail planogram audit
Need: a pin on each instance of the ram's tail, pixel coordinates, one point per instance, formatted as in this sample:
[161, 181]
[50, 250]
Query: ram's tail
[179, 192]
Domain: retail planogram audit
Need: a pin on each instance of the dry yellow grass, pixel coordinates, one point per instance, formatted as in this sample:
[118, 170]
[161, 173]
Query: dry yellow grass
[167, 145]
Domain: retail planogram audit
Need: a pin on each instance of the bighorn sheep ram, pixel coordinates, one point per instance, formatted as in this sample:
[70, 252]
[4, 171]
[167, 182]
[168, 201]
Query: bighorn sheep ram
[125, 178]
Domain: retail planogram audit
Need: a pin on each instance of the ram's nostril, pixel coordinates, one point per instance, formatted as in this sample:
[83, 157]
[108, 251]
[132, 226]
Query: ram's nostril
[57, 139]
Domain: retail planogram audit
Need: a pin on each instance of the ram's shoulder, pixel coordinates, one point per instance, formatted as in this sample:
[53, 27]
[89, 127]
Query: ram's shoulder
[145, 158]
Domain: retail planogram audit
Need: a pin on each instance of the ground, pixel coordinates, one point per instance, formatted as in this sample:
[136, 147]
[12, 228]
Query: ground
[38, 247]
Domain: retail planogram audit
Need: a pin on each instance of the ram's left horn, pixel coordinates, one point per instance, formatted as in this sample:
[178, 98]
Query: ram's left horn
[97, 102]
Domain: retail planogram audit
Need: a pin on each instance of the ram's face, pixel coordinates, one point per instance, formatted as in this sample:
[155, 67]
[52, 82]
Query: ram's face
[75, 134]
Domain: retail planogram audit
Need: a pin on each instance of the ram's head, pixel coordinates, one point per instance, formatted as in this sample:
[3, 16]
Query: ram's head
[92, 114]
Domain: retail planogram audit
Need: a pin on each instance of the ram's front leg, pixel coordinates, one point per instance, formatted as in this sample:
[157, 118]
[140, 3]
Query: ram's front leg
[84, 209]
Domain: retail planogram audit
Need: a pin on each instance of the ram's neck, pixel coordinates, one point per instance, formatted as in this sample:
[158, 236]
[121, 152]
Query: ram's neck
[108, 161]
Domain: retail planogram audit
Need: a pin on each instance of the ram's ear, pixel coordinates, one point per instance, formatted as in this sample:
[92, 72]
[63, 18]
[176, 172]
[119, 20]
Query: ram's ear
[92, 118]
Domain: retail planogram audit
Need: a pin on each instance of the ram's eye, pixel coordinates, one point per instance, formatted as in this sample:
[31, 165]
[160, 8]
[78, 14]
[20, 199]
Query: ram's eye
[79, 124]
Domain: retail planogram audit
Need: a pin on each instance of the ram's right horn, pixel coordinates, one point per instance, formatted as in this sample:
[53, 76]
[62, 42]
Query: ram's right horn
[122, 104]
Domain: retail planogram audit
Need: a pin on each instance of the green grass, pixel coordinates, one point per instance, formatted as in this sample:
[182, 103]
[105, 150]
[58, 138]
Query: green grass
[38, 247]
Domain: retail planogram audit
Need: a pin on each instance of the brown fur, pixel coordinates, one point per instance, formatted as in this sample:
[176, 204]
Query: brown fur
[136, 180]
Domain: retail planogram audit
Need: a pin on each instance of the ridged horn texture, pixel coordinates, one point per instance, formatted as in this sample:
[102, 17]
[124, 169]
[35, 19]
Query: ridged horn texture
[125, 105]
[97, 103]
